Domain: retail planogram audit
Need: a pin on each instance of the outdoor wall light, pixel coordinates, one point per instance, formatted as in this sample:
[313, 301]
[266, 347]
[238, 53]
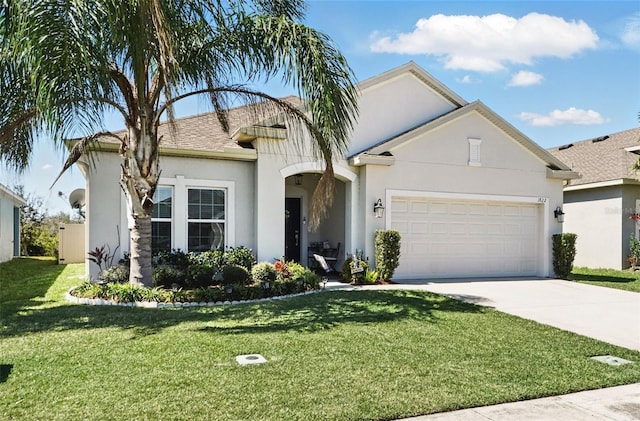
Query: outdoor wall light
[298, 179]
[378, 209]
[558, 214]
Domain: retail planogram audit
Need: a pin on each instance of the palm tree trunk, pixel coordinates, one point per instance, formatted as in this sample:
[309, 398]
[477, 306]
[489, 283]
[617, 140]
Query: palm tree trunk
[141, 269]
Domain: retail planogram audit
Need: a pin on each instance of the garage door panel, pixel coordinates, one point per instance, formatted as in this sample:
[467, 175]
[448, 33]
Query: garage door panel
[466, 238]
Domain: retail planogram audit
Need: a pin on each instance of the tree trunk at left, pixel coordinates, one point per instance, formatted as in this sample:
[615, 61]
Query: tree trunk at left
[141, 268]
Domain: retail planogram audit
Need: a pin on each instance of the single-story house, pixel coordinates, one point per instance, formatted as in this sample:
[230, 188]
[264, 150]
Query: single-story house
[470, 194]
[10, 204]
[600, 205]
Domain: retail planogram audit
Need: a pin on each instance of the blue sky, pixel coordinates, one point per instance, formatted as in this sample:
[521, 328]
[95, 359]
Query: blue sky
[559, 71]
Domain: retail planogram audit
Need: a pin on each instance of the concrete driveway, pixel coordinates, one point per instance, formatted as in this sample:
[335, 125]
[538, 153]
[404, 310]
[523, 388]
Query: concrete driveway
[607, 314]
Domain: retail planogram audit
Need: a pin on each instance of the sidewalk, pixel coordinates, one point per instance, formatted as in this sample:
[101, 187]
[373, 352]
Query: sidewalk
[619, 403]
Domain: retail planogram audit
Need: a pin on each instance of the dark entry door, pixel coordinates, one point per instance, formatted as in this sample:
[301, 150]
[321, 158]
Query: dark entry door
[292, 229]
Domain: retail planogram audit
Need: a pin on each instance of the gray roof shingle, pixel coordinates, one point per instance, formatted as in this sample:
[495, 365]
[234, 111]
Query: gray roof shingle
[603, 160]
[203, 132]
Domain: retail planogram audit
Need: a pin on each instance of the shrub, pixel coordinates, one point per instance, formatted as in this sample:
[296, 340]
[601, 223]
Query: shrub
[387, 246]
[199, 276]
[214, 259]
[176, 258]
[115, 274]
[358, 277]
[371, 277]
[634, 248]
[263, 272]
[564, 251]
[164, 276]
[346, 269]
[311, 280]
[235, 274]
[240, 256]
[282, 269]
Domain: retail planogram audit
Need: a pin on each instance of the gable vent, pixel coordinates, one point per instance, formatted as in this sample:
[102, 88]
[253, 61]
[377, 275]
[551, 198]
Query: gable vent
[600, 139]
[563, 147]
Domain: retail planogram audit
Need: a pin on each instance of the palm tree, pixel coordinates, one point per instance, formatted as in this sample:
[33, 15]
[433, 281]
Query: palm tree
[66, 64]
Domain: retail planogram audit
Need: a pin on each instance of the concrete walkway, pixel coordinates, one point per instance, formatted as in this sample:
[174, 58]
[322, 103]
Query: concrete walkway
[620, 403]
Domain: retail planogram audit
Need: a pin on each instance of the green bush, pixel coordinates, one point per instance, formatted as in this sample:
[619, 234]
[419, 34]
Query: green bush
[634, 248]
[199, 276]
[176, 258]
[263, 272]
[235, 274]
[347, 276]
[387, 246]
[311, 280]
[214, 259]
[240, 256]
[371, 277]
[564, 252]
[164, 276]
[346, 269]
[115, 274]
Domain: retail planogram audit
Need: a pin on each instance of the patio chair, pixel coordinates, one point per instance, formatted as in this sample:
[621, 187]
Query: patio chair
[331, 256]
[323, 263]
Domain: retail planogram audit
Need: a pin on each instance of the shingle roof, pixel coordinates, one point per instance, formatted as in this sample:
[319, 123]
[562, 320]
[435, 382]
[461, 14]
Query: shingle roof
[603, 158]
[203, 132]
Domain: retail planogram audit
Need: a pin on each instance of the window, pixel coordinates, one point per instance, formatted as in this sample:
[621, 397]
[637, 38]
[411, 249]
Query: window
[161, 219]
[474, 152]
[205, 219]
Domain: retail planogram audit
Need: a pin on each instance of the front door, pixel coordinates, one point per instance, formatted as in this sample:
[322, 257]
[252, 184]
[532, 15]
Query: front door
[292, 229]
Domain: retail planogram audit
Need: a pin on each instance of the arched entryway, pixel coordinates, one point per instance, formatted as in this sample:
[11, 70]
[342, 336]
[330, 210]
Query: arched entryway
[333, 237]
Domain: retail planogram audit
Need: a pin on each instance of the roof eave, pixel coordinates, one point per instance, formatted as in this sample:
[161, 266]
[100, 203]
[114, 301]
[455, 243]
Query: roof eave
[368, 159]
[562, 174]
[250, 133]
[17, 199]
[606, 183]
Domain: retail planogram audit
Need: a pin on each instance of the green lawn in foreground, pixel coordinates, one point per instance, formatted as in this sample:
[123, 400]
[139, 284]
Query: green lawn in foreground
[627, 280]
[332, 356]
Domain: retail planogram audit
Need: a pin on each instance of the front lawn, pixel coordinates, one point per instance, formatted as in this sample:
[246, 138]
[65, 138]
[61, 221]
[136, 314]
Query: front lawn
[627, 280]
[340, 355]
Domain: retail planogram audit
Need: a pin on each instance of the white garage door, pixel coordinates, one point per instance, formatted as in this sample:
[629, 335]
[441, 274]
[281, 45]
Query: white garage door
[460, 238]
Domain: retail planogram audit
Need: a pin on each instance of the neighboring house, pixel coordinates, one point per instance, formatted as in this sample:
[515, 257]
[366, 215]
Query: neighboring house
[9, 223]
[599, 205]
[470, 194]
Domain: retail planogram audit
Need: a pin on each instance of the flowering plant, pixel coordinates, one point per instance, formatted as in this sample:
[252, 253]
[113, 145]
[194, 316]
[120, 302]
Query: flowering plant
[282, 269]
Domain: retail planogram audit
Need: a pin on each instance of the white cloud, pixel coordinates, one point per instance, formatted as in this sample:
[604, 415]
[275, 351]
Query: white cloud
[47, 167]
[465, 79]
[488, 43]
[525, 78]
[571, 115]
[630, 35]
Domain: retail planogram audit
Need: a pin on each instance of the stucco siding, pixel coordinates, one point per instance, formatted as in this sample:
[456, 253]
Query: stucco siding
[439, 162]
[595, 215]
[6, 227]
[391, 108]
[107, 210]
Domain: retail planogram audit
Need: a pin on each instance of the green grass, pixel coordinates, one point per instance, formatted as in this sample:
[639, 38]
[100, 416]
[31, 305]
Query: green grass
[374, 355]
[627, 280]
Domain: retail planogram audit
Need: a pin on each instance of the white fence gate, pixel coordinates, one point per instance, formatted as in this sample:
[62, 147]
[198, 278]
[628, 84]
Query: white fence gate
[71, 244]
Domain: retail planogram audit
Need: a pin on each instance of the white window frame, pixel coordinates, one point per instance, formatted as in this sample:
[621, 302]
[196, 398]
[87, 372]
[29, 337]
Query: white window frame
[215, 221]
[180, 186]
[170, 219]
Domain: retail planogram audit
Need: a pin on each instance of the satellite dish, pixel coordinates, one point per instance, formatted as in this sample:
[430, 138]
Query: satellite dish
[76, 199]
